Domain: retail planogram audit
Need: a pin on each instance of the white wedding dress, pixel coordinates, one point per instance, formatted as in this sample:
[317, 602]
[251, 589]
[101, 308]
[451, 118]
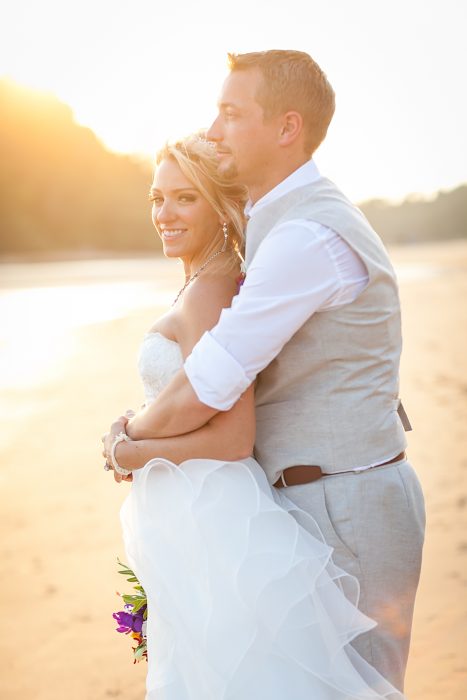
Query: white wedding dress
[244, 602]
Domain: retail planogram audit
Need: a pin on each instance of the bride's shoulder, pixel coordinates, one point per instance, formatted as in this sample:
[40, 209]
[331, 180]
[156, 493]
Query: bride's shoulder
[205, 298]
[213, 290]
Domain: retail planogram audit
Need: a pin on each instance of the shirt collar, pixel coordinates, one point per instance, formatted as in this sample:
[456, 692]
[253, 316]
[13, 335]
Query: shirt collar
[304, 175]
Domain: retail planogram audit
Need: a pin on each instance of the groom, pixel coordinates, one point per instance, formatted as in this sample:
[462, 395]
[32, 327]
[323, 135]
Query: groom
[317, 323]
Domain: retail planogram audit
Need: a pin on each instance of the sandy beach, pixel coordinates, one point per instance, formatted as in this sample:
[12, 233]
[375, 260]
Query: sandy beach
[59, 514]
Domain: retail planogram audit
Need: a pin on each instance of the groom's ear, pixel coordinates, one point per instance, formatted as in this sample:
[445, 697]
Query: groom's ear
[291, 128]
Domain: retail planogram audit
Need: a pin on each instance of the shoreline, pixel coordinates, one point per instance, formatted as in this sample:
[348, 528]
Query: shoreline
[73, 255]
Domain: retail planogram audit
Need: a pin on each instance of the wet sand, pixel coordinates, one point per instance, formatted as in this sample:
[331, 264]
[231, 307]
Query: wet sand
[59, 514]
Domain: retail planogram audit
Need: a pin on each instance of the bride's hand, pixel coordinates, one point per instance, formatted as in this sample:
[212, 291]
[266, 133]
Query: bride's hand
[117, 427]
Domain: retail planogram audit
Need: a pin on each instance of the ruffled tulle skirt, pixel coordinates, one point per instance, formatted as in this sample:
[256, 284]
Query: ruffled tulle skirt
[244, 601]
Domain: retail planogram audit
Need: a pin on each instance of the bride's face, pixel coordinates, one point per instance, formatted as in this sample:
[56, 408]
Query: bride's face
[183, 218]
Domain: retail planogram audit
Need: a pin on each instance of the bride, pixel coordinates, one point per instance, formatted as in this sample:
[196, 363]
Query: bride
[244, 601]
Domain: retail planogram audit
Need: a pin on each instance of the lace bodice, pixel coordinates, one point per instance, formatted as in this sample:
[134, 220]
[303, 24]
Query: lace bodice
[159, 359]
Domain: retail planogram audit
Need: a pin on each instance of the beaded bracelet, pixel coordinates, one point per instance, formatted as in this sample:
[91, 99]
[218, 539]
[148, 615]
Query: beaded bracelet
[121, 437]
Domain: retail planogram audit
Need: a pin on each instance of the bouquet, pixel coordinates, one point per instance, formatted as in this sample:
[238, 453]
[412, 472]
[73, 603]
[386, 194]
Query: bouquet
[132, 620]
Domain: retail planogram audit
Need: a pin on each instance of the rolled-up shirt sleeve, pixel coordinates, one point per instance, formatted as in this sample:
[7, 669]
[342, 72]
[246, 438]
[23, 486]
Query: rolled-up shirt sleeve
[297, 270]
[224, 383]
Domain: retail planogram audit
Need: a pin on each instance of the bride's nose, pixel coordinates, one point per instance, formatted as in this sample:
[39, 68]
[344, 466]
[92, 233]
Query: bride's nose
[165, 213]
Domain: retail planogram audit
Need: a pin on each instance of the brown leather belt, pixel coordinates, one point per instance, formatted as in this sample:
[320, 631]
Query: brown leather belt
[306, 473]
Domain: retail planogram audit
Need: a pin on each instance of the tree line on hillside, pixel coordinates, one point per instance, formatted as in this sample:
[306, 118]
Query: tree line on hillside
[61, 190]
[414, 220]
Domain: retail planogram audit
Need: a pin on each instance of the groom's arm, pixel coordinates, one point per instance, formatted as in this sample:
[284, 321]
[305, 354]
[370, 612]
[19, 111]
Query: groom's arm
[177, 410]
[300, 268]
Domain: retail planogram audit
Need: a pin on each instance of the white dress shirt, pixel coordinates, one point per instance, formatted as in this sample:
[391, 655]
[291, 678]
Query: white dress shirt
[299, 269]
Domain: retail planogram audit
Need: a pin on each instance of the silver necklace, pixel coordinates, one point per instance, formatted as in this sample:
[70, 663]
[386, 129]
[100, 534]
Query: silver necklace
[197, 273]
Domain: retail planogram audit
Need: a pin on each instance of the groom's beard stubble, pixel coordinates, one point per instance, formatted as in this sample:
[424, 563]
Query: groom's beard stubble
[228, 170]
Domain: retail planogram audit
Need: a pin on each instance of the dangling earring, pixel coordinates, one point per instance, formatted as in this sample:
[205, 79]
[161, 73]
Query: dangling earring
[226, 236]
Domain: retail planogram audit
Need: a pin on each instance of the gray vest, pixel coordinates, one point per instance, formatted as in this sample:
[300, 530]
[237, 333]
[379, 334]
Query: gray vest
[331, 395]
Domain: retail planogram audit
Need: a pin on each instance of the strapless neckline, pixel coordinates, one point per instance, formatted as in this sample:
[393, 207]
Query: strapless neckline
[161, 335]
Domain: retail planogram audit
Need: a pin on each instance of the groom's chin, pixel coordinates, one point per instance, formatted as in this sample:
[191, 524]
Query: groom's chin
[228, 171]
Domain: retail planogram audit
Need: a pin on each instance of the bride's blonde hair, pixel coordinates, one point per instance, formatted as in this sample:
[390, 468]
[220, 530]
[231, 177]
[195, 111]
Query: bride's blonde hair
[197, 160]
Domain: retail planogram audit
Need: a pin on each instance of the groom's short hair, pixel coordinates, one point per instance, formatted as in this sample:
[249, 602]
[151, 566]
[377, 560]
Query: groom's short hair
[292, 80]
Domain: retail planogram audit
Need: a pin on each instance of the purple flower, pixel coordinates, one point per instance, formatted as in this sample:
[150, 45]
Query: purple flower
[129, 622]
[125, 621]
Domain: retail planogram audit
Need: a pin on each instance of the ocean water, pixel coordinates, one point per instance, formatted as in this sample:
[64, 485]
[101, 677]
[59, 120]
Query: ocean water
[41, 305]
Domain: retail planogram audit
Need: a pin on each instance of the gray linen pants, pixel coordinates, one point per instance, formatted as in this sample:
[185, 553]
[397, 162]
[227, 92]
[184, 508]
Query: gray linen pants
[375, 521]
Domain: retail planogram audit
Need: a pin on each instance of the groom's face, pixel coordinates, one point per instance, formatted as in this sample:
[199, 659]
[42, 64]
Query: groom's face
[246, 144]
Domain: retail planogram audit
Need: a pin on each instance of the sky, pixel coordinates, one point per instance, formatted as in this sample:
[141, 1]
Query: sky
[139, 72]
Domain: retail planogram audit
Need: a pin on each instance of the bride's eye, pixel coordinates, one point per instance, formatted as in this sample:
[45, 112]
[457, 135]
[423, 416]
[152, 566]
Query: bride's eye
[155, 198]
[185, 198]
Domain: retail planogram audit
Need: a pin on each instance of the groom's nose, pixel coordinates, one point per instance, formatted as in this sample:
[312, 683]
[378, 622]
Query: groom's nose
[213, 133]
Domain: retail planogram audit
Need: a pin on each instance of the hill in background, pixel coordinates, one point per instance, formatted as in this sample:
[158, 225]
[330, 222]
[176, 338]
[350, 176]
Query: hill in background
[415, 220]
[62, 191]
